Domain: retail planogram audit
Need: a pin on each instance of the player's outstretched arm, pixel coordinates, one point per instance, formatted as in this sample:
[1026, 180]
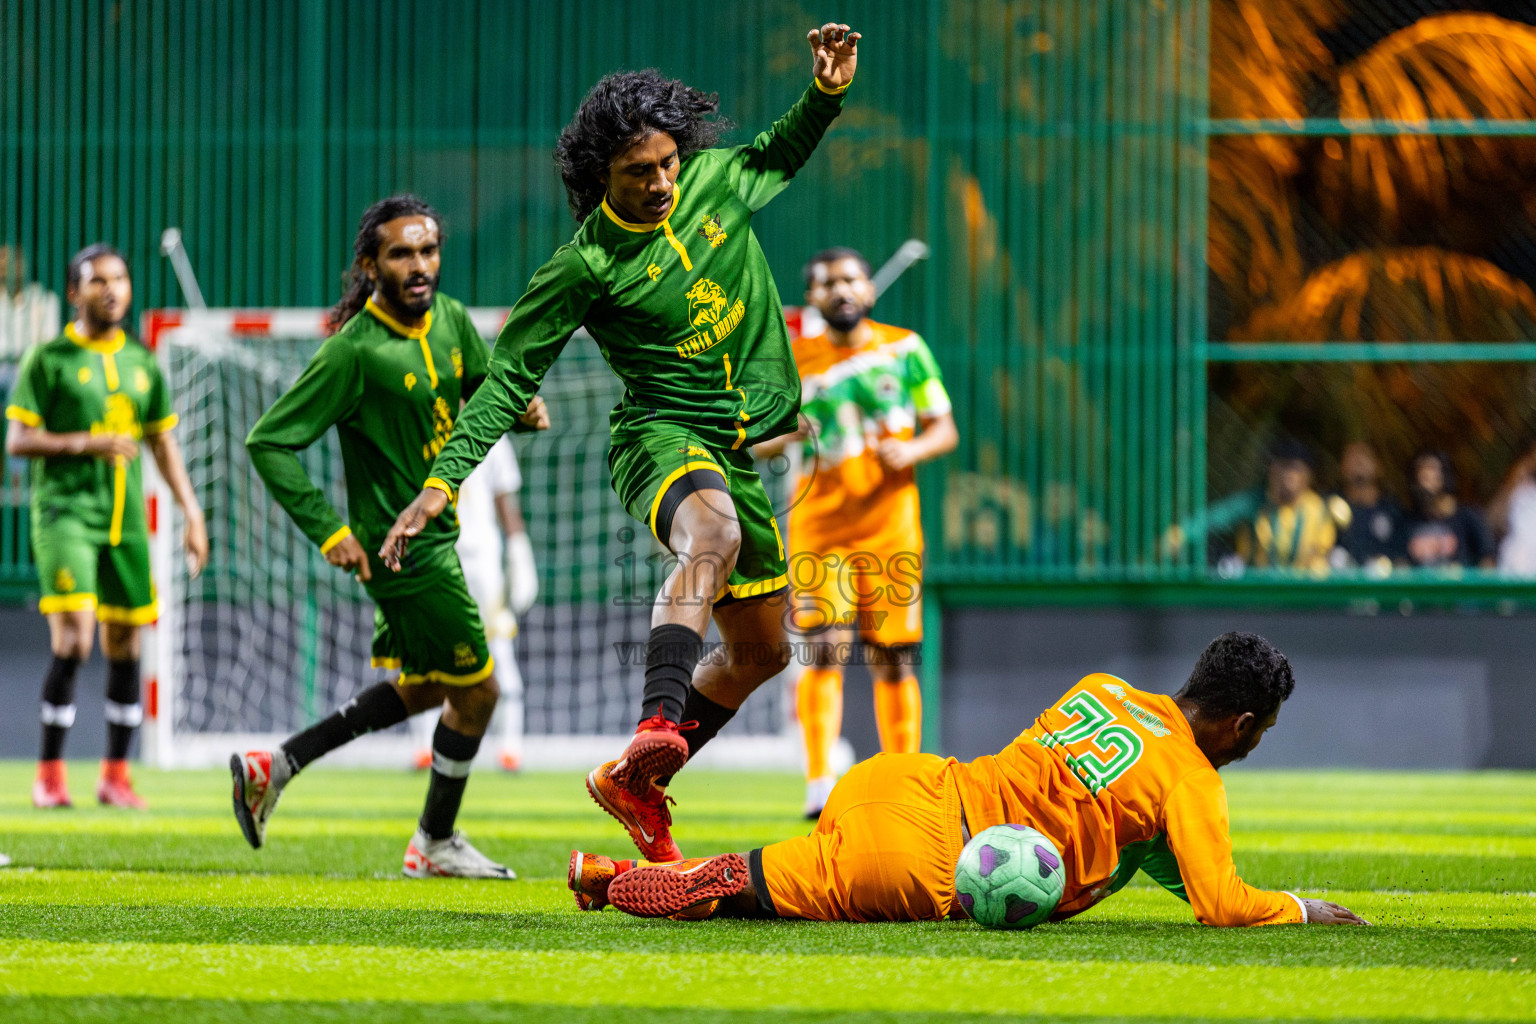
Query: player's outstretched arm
[761, 170]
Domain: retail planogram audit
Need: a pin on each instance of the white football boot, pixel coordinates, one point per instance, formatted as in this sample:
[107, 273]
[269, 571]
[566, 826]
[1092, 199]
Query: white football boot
[259, 778]
[817, 791]
[453, 857]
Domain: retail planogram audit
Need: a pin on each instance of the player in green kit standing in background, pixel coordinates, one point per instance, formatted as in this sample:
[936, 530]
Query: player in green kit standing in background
[667, 276]
[82, 404]
[390, 380]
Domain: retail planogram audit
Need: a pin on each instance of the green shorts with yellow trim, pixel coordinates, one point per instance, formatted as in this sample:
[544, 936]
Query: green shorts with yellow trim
[665, 463]
[78, 569]
[432, 634]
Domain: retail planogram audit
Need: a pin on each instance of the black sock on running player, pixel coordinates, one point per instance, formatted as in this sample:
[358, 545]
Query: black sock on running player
[711, 718]
[671, 655]
[58, 712]
[377, 707]
[453, 753]
[123, 710]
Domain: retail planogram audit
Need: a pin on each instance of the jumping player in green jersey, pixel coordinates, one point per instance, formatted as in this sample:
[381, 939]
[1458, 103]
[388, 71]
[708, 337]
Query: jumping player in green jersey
[667, 276]
[82, 404]
[390, 380]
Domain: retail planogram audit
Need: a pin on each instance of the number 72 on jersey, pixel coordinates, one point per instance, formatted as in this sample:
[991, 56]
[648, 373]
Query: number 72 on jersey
[1108, 747]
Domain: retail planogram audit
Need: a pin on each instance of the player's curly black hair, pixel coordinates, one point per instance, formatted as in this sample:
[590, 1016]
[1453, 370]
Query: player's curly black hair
[622, 109]
[356, 285]
[1239, 672]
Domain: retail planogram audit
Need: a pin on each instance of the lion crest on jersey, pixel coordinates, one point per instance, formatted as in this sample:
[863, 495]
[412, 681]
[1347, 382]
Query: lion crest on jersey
[118, 417]
[712, 230]
[706, 301]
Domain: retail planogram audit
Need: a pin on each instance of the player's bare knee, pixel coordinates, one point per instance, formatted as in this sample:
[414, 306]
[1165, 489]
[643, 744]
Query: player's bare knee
[120, 642]
[475, 704]
[891, 663]
[70, 636]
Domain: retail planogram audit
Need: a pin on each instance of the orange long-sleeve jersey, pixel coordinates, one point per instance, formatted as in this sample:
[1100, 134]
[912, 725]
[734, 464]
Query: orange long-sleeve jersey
[1113, 776]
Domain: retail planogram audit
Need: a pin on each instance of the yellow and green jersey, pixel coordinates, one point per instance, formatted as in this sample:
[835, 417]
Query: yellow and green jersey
[392, 392]
[684, 311]
[72, 384]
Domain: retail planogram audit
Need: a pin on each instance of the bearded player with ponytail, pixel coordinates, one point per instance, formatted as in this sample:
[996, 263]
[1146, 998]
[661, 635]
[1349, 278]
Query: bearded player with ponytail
[390, 380]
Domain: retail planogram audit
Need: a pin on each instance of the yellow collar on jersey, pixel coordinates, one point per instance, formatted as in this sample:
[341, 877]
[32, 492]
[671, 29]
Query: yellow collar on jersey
[677, 197]
[395, 325]
[106, 346]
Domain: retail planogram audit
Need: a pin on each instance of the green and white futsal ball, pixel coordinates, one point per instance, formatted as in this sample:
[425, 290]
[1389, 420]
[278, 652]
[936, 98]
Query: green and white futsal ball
[1009, 876]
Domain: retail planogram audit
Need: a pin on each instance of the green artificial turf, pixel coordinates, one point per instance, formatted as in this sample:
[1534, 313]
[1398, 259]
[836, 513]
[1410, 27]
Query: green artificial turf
[170, 917]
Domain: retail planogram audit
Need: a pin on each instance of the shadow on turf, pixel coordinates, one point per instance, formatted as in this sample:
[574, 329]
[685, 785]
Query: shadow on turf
[1403, 945]
[50, 1010]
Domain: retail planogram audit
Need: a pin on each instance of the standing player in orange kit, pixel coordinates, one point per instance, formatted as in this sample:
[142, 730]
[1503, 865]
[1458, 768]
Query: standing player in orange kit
[1119, 779]
[873, 407]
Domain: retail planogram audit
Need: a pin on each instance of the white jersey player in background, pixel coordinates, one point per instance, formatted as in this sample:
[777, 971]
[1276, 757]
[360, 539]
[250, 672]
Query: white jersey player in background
[497, 557]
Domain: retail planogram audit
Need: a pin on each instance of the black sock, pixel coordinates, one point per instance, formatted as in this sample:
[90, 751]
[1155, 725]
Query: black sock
[377, 707]
[711, 718]
[124, 712]
[671, 655]
[58, 706]
[452, 755]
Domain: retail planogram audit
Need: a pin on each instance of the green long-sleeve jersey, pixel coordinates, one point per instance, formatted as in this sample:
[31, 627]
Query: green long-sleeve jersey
[684, 311]
[392, 393]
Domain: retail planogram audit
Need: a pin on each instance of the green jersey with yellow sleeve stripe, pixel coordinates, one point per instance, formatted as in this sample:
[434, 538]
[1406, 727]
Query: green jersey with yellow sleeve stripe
[392, 393]
[111, 385]
[684, 311]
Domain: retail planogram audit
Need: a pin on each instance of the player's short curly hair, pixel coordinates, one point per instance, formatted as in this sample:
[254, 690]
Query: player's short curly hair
[622, 109]
[1239, 672]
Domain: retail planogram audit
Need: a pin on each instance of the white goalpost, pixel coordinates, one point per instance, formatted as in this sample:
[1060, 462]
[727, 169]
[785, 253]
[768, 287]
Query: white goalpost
[271, 637]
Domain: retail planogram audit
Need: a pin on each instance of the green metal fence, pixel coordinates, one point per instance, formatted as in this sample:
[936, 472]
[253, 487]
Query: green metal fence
[1053, 153]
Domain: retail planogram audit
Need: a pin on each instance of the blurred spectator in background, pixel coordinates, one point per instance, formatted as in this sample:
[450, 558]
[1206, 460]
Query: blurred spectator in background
[1292, 528]
[1372, 525]
[1512, 514]
[29, 313]
[1441, 530]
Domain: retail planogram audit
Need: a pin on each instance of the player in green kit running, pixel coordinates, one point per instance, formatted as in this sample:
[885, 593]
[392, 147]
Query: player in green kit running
[81, 405]
[390, 380]
[667, 276]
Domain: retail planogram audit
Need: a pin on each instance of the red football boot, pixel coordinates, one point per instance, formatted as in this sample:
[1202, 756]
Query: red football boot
[645, 818]
[657, 751]
[115, 789]
[50, 789]
[672, 890]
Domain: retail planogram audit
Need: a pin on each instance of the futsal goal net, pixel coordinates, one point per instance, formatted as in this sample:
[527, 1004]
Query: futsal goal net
[271, 637]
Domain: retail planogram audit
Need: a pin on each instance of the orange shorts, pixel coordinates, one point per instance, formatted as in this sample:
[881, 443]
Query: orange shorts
[876, 594]
[884, 850]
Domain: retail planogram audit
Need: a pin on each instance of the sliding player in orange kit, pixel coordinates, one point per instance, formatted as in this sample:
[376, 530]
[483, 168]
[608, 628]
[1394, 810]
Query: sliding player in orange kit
[1119, 780]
